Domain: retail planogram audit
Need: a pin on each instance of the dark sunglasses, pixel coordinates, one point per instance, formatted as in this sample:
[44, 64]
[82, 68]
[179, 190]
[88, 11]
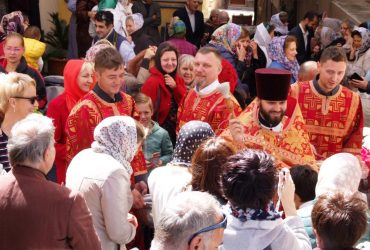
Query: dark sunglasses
[222, 224]
[31, 99]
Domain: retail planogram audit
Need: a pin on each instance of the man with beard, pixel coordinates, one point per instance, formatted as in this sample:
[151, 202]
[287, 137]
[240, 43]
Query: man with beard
[205, 102]
[273, 122]
[304, 31]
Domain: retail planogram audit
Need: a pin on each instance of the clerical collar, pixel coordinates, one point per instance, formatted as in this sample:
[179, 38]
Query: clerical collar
[209, 89]
[321, 91]
[265, 124]
[105, 96]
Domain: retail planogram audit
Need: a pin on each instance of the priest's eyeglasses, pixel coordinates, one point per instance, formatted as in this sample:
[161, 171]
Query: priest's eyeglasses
[222, 224]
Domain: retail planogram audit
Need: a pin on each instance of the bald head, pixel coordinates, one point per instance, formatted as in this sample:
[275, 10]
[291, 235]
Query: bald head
[307, 71]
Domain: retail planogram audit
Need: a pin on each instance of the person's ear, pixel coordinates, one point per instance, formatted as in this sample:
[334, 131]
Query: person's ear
[196, 243]
[12, 103]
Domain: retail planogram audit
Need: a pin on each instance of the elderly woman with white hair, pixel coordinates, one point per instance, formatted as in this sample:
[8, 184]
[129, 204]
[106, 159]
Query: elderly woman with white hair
[36, 213]
[17, 99]
[102, 174]
[339, 173]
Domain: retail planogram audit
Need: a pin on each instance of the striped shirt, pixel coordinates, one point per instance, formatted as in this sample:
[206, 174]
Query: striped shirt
[4, 159]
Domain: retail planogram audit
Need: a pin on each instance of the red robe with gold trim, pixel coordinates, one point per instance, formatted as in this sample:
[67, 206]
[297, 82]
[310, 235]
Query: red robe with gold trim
[87, 114]
[209, 108]
[289, 147]
[334, 123]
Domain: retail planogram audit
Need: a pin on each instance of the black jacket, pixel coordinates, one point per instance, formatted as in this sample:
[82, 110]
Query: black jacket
[304, 54]
[193, 37]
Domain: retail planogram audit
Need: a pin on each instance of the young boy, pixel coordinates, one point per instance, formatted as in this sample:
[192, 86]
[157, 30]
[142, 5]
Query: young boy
[158, 149]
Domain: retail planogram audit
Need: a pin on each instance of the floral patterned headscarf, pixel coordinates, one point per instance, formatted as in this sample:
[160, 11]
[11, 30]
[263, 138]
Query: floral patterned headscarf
[191, 135]
[12, 22]
[116, 136]
[276, 53]
[226, 36]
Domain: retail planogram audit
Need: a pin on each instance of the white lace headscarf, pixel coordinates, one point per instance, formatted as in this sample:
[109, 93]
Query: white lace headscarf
[340, 172]
[116, 136]
[279, 26]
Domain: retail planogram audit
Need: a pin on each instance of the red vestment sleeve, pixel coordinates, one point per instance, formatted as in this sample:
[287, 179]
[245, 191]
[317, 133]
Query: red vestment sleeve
[80, 128]
[353, 141]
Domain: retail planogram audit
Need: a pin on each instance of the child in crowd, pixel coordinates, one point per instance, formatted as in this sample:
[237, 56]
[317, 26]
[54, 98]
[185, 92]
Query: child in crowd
[158, 149]
[305, 179]
[34, 49]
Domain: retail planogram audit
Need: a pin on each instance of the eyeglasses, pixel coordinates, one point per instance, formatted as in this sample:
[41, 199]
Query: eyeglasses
[222, 224]
[15, 49]
[31, 99]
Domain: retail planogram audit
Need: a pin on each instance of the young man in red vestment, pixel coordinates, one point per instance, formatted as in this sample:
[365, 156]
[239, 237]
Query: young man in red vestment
[333, 113]
[205, 102]
[104, 100]
[273, 122]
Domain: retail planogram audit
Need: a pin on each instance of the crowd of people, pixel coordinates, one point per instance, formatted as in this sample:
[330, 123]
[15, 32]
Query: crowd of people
[218, 136]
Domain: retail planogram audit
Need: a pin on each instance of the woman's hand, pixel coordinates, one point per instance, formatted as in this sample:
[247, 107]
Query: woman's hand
[254, 45]
[169, 81]
[241, 52]
[361, 84]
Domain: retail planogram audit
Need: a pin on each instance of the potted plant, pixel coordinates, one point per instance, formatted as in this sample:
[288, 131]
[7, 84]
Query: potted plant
[57, 45]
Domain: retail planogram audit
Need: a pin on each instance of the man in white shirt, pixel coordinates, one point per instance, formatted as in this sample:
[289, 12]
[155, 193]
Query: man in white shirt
[194, 21]
[304, 31]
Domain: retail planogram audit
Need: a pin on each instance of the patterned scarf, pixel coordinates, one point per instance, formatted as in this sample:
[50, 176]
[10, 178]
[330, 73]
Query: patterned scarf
[12, 22]
[116, 136]
[269, 213]
[276, 53]
[365, 34]
[191, 135]
[226, 36]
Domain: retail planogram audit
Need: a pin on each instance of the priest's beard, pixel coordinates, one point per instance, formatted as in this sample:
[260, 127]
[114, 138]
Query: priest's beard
[270, 118]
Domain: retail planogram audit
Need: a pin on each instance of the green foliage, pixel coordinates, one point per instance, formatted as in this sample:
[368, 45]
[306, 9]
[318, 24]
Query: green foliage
[57, 37]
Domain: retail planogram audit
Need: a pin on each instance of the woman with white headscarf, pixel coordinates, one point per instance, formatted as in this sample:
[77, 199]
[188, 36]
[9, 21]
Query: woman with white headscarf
[135, 31]
[339, 173]
[102, 175]
[263, 36]
[280, 21]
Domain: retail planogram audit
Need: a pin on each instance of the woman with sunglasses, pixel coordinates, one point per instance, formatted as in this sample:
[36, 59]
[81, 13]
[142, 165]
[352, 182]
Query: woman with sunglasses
[14, 61]
[17, 100]
[78, 80]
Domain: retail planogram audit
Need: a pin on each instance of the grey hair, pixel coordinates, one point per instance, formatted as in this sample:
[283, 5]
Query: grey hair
[30, 138]
[306, 69]
[184, 215]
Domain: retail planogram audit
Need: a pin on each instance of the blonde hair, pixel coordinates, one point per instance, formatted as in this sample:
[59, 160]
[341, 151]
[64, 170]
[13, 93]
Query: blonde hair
[13, 84]
[141, 98]
[187, 60]
[87, 66]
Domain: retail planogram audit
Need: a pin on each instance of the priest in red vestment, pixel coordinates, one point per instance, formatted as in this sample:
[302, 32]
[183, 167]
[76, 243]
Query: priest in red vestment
[333, 113]
[206, 102]
[273, 122]
[104, 100]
